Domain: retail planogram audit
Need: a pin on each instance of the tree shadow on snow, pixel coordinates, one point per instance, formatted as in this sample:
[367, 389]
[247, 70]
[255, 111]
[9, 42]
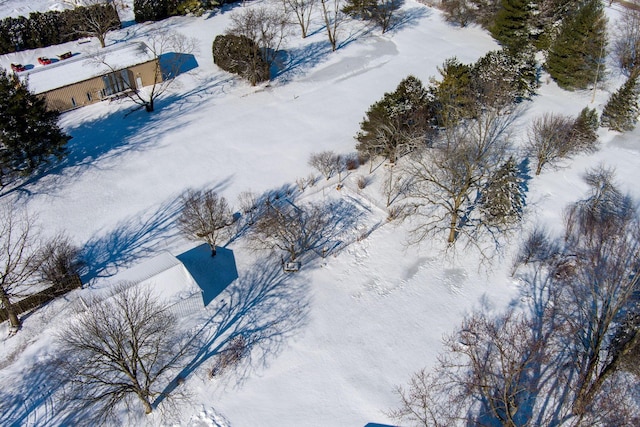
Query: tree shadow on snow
[37, 398]
[297, 61]
[212, 274]
[408, 18]
[173, 64]
[264, 306]
[135, 237]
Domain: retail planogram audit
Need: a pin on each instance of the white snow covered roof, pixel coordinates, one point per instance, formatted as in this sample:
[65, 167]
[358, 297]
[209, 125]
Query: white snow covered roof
[84, 66]
[165, 275]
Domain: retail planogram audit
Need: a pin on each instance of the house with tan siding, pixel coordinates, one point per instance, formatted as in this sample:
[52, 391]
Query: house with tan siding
[87, 78]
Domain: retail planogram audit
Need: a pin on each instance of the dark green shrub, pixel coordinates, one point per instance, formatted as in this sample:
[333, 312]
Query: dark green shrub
[240, 55]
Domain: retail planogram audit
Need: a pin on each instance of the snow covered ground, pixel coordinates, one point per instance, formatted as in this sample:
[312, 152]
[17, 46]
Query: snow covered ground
[351, 326]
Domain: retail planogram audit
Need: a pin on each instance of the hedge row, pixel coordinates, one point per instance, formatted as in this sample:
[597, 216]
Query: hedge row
[46, 29]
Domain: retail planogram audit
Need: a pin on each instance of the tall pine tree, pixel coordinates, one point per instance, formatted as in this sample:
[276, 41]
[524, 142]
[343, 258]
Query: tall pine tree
[511, 25]
[621, 111]
[29, 133]
[576, 57]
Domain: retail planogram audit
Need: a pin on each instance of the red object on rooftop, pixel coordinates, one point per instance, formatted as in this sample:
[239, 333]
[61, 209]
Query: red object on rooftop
[17, 67]
[43, 60]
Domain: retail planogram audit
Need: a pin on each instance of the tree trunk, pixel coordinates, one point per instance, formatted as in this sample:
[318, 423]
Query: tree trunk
[14, 321]
[539, 168]
[101, 40]
[213, 249]
[452, 228]
[145, 403]
[149, 106]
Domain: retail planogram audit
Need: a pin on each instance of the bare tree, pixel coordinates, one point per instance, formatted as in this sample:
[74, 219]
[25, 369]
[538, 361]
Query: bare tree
[292, 229]
[549, 139]
[170, 51]
[423, 401]
[325, 162]
[626, 43]
[267, 27]
[461, 12]
[447, 176]
[119, 350]
[96, 18]
[552, 137]
[487, 375]
[332, 18]
[385, 12]
[603, 248]
[205, 216]
[60, 263]
[18, 259]
[302, 9]
[396, 185]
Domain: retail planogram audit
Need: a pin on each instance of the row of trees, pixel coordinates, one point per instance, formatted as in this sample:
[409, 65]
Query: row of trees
[29, 263]
[271, 223]
[567, 360]
[253, 41]
[157, 10]
[572, 34]
[88, 18]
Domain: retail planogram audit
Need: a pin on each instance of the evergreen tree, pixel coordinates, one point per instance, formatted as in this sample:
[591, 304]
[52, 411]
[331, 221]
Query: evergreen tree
[362, 9]
[621, 111]
[503, 77]
[396, 123]
[152, 10]
[511, 24]
[502, 200]
[546, 17]
[585, 127]
[29, 133]
[576, 56]
[452, 96]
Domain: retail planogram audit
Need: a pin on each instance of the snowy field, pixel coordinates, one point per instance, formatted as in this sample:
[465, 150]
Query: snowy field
[348, 328]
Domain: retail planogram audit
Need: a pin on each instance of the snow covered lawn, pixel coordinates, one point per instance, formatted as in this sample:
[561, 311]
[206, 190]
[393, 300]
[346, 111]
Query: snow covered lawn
[347, 328]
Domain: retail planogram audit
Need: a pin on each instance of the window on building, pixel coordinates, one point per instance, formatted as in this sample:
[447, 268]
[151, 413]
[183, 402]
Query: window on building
[117, 82]
[73, 102]
[89, 97]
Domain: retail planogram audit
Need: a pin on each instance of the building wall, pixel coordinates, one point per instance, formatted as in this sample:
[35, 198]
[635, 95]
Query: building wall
[91, 91]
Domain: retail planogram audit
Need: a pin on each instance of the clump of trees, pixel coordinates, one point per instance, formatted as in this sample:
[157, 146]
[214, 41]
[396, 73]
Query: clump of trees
[157, 10]
[566, 360]
[553, 137]
[31, 138]
[576, 56]
[95, 19]
[27, 262]
[380, 12]
[571, 34]
[459, 177]
[398, 123]
[497, 80]
[459, 164]
[252, 43]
